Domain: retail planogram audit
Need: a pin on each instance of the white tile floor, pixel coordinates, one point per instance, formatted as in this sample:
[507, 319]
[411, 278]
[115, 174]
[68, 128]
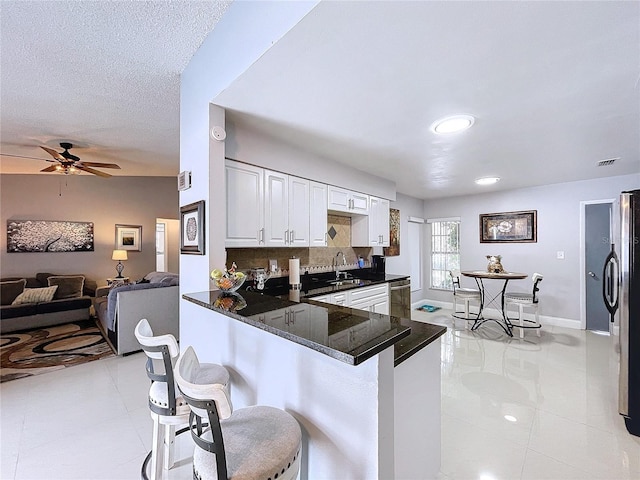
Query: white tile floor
[92, 421]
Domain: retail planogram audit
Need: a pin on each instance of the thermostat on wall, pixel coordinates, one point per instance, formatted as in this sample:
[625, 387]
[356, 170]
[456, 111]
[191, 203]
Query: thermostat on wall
[184, 180]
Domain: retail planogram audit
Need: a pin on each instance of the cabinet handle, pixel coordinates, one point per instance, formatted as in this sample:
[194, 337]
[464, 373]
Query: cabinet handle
[286, 237]
[325, 239]
[292, 237]
[261, 235]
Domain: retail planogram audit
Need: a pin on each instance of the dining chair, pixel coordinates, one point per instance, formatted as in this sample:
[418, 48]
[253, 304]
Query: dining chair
[466, 295]
[251, 443]
[525, 300]
[168, 407]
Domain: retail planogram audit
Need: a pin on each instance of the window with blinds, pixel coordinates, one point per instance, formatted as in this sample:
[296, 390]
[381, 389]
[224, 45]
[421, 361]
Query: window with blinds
[445, 251]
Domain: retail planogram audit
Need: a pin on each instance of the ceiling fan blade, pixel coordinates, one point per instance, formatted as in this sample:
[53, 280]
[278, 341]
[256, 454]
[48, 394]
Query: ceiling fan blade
[101, 165]
[25, 156]
[52, 168]
[54, 154]
[91, 170]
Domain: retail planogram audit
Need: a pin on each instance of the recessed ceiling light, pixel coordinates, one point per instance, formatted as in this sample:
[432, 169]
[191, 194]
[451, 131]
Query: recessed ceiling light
[453, 124]
[487, 180]
[510, 418]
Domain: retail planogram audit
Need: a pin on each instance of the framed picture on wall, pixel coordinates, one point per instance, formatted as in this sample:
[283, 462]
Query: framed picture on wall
[192, 228]
[129, 237]
[509, 227]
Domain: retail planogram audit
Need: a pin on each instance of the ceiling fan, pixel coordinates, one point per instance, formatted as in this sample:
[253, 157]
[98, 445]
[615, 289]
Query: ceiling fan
[70, 164]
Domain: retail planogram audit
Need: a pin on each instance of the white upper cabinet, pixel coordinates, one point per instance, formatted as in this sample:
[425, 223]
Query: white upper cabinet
[342, 200]
[372, 230]
[276, 208]
[299, 212]
[378, 222]
[286, 210]
[318, 215]
[245, 210]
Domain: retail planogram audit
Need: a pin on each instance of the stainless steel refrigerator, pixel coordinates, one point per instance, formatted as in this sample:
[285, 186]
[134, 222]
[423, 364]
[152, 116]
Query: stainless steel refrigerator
[621, 291]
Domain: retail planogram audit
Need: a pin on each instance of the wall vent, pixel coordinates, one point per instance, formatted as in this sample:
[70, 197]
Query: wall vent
[606, 163]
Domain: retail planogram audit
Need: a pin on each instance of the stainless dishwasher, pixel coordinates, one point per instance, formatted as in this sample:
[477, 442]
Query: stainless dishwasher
[400, 294]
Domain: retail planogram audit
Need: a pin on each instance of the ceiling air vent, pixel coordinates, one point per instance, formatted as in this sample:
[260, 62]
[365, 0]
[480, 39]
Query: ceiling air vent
[606, 163]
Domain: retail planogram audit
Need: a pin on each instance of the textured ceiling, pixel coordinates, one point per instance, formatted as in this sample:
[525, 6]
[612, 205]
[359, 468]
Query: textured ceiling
[553, 86]
[103, 75]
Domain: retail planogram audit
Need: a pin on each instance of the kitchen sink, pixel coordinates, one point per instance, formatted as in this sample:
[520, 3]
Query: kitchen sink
[343, 281]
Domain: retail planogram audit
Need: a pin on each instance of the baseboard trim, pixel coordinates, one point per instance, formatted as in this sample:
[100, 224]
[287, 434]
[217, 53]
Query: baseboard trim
[544, 319]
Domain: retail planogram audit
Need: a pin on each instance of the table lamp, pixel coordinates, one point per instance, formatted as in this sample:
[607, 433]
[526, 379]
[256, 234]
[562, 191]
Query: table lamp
[119, 255]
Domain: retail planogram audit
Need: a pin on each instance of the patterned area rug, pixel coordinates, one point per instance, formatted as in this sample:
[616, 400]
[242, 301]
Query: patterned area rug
[33, 352]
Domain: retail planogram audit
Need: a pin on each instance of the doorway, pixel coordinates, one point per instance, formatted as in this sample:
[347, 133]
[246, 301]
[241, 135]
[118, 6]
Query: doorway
[167, 238]
[596, 245]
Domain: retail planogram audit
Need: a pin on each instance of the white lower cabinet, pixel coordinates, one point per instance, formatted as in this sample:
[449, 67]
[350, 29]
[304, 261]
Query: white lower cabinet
[373, 299]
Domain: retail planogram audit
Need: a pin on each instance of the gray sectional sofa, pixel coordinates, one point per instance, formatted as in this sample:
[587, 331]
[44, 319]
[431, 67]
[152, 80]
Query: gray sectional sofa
[68, 304]
[119, 309]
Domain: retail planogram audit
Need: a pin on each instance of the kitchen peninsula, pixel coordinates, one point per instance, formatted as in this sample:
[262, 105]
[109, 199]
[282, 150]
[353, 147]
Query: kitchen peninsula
[364, 386]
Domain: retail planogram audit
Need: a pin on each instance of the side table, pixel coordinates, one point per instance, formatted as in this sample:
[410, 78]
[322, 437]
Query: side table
[124, 280]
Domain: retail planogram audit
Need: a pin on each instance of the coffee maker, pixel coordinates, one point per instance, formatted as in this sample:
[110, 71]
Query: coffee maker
[378, 264]
[259, 276]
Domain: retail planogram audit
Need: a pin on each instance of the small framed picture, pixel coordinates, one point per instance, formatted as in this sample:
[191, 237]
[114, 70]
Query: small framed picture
[192, 228]
[129, 237]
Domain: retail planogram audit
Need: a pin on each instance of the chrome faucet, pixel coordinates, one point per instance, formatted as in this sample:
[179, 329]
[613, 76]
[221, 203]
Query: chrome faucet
[344, 262]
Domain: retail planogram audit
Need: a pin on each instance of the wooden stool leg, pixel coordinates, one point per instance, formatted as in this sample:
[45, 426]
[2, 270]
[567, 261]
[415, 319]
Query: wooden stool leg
[157, 449]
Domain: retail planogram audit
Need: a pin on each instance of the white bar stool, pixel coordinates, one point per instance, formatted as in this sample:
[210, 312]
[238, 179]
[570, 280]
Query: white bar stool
[252, 443]
[525, 300]
[168, 408]
[466, 295]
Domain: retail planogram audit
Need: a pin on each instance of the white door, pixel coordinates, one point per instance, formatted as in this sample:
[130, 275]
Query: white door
[244, 204]
[597, 239]
[318, 214]
[276, 209]
[299, 212]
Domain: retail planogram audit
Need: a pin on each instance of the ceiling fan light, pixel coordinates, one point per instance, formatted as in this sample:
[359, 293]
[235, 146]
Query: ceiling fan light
[452, 124]
[487, 180]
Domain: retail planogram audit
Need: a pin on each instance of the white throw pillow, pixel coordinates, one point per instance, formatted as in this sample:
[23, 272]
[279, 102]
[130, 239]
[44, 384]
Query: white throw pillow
[36, 295]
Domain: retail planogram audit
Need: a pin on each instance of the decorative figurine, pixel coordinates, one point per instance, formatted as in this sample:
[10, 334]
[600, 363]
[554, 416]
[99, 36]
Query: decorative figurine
[494, 264]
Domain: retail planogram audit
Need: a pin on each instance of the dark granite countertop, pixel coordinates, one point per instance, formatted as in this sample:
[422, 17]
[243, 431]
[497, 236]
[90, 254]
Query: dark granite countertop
[349, 335]
[320, 284]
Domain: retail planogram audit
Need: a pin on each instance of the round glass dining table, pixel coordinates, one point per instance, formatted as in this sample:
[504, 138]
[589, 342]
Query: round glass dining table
[487, 299]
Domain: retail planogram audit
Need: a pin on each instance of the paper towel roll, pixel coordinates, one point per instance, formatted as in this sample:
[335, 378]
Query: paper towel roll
[294, 271]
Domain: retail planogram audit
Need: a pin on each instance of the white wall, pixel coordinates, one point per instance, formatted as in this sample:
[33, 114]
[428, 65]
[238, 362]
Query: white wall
[246, 145]
[241, 37]
[401, 265]
[558, 209]
[105, 202]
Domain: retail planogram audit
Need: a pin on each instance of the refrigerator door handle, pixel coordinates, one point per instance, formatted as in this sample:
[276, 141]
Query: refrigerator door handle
[610, 286]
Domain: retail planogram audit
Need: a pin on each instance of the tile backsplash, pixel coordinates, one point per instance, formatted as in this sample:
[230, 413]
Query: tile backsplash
[315, 258]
